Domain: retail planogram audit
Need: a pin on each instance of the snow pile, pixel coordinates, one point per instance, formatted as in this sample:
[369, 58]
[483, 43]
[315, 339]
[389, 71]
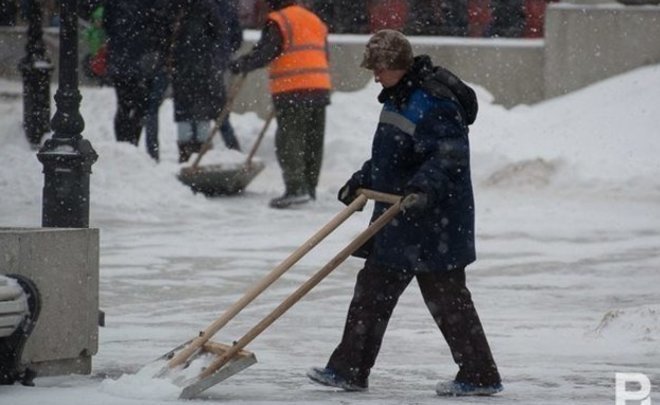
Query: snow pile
[529, 172]
[603, 137]
[565, 144]
[631, 324]
[143, 385]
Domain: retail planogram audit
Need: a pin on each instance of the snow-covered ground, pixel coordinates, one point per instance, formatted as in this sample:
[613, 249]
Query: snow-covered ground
[568, 226]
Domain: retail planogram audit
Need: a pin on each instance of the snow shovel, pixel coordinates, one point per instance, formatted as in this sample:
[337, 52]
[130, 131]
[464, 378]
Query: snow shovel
[200, 364]
[216, 180]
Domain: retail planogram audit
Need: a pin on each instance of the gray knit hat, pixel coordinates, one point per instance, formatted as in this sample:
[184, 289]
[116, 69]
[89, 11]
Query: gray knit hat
[388, 49]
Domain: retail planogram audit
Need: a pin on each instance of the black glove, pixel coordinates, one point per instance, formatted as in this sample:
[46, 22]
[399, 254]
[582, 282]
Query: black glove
[347, 193]
[236, 66]
[414, 202]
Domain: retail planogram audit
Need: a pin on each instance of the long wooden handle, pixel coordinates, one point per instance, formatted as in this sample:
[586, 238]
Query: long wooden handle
[303, 289]
[269, 279]
[379, 196]
[260, 137]
[224, 113]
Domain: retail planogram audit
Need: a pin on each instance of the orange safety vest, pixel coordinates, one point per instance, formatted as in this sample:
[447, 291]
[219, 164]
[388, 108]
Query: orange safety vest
[303, 63]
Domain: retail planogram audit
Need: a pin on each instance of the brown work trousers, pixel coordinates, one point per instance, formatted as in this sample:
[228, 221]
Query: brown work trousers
[377, 292]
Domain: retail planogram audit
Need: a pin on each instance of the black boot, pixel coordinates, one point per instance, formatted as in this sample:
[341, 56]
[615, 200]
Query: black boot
[196, 146]
[185, 151]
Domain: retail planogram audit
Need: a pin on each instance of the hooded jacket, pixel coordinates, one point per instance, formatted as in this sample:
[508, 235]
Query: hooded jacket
[137, 33]
[421, 145]
[209, 33]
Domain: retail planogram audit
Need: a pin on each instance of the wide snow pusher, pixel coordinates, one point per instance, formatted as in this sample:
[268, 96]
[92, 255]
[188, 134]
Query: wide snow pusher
[224, 179]
[200, 363]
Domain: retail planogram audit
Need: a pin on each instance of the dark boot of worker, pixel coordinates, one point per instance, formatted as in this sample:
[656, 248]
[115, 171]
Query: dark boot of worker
[289, 199]
[185, 151]
[196, 146]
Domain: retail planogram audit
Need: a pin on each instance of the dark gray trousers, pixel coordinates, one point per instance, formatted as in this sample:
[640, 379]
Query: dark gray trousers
[132, 103]
[377, 292]
[299, 146]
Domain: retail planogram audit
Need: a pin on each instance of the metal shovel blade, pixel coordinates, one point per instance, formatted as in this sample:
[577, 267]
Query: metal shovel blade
[218, 180]
[196, 386]
[187, 375]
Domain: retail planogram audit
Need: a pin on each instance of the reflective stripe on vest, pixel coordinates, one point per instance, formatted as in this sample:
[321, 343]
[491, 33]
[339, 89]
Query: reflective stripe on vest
[303, 63]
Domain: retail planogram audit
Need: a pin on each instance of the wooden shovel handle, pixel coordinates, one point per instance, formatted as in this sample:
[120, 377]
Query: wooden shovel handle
[260, 137]
[379, 196]
[224, 113]
[305, 288]
[269, 279]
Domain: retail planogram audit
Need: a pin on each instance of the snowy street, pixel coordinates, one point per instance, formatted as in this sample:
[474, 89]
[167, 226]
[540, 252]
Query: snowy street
[566, 280]
[542, 309]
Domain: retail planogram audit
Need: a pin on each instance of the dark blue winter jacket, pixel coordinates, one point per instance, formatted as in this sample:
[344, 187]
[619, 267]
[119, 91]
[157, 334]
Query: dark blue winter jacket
[138, 34]
[209, 33]
[421, 145]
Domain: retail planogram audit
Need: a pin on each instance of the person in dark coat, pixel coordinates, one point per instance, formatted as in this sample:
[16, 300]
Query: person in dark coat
[438, 17]
[294, 46]
[207, 34]
[508, 18]
[8, 12]
[420, 151]
[138, 35]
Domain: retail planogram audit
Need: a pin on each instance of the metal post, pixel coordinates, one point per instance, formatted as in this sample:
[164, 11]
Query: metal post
[67, 157]
[36, 69]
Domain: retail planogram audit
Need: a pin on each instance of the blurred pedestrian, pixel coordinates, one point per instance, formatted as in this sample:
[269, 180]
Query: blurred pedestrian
[156, 94]
[425, 18]
[207, 33]
[95, 62]
[138, 35]
[455, 18]
[252, 13]
[438, 17]
[507, 18]
[294, 44]
[348, 16]
[8, 12]
[51, 12]
[326, 10]
[420, 150]
[392, 14]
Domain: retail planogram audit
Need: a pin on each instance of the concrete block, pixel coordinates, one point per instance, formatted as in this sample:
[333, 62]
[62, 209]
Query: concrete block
[510, 69]
[64, 265]
[589, 43]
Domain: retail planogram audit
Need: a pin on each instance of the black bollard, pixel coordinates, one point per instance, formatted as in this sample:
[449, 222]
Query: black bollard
[36, 69]
[67, 157]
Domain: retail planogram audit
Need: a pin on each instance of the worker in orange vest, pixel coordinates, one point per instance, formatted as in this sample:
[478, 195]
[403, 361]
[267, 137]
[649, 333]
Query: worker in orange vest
[294, 45]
